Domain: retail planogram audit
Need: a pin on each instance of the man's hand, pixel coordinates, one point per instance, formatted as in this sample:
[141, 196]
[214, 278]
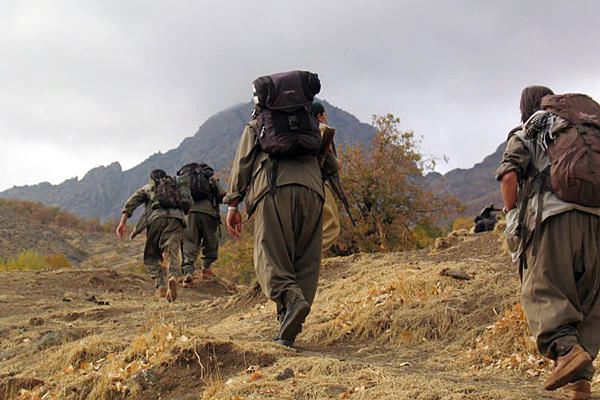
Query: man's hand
[121, 227]
[234, 223]
[509, 186]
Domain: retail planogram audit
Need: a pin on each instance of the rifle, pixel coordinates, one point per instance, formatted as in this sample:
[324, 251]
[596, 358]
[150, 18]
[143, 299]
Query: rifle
[215, 204]
[338, 190]
[326, 144]
[327, 147]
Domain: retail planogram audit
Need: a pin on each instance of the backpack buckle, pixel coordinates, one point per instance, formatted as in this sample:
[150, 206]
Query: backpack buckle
[293, 122]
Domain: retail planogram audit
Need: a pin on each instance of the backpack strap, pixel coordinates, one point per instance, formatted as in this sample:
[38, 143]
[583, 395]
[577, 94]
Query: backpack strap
[272, 177]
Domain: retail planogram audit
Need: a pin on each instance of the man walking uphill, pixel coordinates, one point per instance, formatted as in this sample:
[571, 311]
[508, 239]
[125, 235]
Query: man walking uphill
[550, 181]
[277, 174]
[165, 202]
[203, 220]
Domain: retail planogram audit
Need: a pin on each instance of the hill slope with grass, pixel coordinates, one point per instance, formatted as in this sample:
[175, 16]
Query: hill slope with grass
[31, 234]
[382, 326]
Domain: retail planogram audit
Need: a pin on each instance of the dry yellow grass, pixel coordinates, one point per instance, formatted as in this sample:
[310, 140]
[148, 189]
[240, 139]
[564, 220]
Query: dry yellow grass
[382, 326]
[386, 303]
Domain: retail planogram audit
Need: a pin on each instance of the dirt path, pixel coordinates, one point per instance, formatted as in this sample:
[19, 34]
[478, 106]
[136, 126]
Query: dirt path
[90, 334]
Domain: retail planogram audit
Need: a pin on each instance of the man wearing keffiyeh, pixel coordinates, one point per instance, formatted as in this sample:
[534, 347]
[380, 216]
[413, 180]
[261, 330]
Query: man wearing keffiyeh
[558, 247]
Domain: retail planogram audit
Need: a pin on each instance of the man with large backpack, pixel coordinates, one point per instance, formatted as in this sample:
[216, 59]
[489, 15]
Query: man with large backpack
[277, 174]
[550, 182]
[203, 220]
[166, 202]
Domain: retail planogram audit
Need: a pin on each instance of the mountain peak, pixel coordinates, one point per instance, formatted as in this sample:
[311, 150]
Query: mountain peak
[103, 190]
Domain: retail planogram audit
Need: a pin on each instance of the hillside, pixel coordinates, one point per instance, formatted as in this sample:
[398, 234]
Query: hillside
[29, 231]
[383, 326]
[102, 192]
[475, 186]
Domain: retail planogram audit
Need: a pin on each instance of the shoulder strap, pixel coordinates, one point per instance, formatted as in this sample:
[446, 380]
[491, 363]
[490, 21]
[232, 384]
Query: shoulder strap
[272, 174]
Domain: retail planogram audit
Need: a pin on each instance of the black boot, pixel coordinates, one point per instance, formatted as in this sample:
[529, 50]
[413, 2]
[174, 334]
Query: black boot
[281, 310]
[292, 323]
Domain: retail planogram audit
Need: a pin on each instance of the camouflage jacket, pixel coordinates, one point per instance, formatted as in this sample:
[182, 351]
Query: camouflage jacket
[144, 195]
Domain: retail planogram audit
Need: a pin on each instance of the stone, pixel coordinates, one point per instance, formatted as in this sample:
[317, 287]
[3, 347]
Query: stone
[50, 339]
[145, 378]
[8, 354]
[455, 273]
[286, 374]
[53, 338]
[36, 321]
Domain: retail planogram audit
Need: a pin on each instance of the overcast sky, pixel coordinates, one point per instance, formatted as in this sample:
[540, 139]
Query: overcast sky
[85, 83]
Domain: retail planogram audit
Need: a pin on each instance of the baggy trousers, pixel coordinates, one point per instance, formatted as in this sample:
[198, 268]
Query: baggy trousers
[201, 233]
[163, 235]
[287, 244]
[561, 286]
[331, 219]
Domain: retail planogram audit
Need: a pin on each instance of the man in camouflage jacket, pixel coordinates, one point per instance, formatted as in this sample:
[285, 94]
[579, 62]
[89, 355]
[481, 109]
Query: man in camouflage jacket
[164, 232]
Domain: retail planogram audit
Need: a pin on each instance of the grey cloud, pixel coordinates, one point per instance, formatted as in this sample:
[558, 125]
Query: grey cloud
[133, 77]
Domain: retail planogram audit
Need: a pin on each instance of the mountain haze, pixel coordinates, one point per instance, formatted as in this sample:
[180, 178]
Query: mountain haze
[102, 192]
[476, 187]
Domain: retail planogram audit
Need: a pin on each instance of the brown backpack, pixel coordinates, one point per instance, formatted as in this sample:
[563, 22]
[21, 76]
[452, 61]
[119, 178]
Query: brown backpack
[575, 154]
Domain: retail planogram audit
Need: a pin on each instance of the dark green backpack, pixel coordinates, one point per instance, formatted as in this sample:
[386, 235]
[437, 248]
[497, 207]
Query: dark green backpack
[198, 177]
[167, 194]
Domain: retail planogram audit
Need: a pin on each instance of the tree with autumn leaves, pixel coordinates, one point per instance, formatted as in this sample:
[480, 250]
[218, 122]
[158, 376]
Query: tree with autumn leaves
[385, 186]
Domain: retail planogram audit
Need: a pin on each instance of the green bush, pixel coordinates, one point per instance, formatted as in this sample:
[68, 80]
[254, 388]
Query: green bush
[58, 261]
[29, 260]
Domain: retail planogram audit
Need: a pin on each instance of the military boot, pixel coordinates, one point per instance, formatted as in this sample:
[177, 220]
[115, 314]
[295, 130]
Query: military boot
[206, 273]
[161, 291]
[172, 289]
[188, 278]
[579, 390]
[281, 310]
[158, 276]
[292, 323]
[188, 281]
[568, 367]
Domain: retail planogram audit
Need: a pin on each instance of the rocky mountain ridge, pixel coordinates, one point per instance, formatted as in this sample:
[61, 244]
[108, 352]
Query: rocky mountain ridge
[102, 192]
[476, 187]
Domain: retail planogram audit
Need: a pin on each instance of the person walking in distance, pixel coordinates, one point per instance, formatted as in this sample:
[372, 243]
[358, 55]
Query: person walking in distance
[166, 202]
[203, 220]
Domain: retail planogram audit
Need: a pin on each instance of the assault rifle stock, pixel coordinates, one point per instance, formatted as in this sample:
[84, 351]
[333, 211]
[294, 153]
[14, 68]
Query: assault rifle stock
[326, 144]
